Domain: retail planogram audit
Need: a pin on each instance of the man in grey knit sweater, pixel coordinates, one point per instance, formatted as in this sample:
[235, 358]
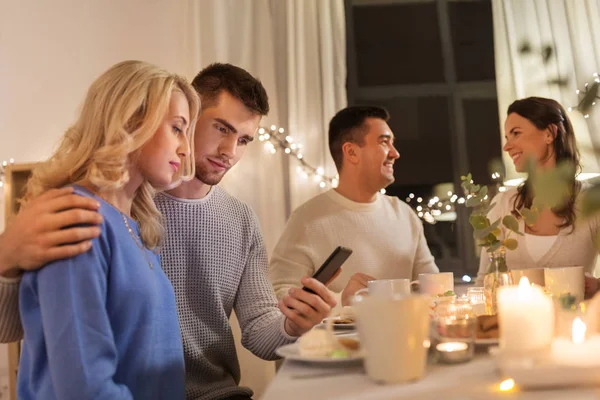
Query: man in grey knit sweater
[213, 254]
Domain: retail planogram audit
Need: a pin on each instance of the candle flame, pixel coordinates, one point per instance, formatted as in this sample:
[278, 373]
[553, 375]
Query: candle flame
[525, 291]
[579, 329]
[507, 385]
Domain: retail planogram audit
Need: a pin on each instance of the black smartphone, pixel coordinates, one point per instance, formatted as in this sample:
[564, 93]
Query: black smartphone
[331, 265]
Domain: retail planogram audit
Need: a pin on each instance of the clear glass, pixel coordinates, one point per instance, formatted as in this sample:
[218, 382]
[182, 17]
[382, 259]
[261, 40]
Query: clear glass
[496, 276]
[454, 329]
[476, 297]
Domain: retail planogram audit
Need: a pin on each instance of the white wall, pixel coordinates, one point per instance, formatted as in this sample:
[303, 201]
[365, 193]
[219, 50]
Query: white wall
[51, 50]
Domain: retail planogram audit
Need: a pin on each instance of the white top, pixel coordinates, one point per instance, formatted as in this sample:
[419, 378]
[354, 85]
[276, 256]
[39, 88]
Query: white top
[386, 237]
[538, 246]
[573, 245]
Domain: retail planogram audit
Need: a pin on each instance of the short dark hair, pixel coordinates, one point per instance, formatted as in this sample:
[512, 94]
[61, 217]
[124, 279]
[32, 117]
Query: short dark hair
[212, 80]
[348, 126]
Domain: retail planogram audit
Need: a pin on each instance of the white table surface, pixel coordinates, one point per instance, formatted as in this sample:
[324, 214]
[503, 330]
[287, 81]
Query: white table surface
[477, 379]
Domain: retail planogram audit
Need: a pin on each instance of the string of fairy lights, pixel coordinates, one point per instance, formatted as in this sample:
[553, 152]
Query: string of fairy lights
[587, 97]
[443, 209]
[276, 138]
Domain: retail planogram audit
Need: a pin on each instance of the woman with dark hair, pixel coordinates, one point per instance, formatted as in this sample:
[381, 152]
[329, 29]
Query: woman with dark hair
[538, 128]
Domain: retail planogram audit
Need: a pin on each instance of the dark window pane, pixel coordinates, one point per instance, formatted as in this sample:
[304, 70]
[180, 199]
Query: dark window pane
[422, 132]
[483, 136]
[397, 44]
[472, 39]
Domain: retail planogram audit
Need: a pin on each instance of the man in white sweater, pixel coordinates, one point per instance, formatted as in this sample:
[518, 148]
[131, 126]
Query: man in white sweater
[386, 236]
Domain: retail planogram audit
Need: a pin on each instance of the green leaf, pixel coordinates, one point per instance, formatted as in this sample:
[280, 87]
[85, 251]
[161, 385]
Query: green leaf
[469, 177]
[482, 233]
[483, 192]
[511, 223]
[473, 202]
[476, 188]
[462, 177]
[590, 202]
[494, 247]
[511, 244]
[538, 203]
[529, 216]
[479, 221]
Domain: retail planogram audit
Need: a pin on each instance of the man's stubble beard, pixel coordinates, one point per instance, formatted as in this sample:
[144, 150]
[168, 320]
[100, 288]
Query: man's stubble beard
[206, 177]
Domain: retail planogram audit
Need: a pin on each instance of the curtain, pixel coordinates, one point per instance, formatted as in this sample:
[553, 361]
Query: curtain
[297, 49]
[573, 28]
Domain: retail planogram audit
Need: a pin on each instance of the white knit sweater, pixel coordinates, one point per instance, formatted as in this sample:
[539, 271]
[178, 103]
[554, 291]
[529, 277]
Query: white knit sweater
[386, 237]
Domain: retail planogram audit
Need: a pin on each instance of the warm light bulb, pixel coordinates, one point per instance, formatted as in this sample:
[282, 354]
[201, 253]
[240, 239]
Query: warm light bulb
[322, 184]
[289, 139]
[287, 151]
[382, 191]
[281, 130]
[261, 131]
[273, 127]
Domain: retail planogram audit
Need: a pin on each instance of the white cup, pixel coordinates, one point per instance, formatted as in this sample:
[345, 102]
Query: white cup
[535, 275]
[386, 288]
[434, 284]
[392, 334]
[560, 281]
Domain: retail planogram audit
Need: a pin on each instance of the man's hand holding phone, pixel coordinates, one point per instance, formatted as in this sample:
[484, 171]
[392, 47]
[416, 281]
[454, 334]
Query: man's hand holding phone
[304, 309]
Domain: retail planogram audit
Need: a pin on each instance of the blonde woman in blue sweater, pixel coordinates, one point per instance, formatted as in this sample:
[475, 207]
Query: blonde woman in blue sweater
[103, 324]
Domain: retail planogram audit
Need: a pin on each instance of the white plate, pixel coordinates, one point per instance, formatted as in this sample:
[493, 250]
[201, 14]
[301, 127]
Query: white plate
[541, 373]
[338, 326]
[487, 342]
[292, 352]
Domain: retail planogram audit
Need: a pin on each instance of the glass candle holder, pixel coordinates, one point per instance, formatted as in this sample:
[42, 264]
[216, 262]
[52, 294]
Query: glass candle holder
[453, 332]
[476, 297]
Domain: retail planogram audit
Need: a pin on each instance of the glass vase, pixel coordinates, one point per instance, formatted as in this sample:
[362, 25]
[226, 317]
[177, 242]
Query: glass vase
[496, 276]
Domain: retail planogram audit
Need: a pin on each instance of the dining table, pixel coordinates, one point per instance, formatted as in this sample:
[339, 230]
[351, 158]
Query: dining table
[478, 378]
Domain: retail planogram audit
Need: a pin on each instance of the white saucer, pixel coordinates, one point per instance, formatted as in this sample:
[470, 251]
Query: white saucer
[292, 352]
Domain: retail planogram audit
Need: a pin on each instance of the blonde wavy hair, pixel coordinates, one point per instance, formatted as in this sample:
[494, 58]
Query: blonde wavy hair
[122, 110]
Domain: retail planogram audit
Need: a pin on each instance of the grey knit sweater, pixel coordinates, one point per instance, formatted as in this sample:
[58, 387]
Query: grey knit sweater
[215, 257]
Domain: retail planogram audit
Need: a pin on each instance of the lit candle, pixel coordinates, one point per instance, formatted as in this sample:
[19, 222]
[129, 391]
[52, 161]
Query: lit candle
[578, 351]
[525, 318]
[452, 352]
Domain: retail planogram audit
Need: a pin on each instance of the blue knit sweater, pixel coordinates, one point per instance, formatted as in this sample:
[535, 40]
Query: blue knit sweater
[101, 325]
